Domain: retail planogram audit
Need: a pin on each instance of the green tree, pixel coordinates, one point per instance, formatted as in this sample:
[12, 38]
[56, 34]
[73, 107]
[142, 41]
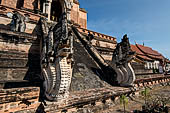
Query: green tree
[123, 101]
[145, 93]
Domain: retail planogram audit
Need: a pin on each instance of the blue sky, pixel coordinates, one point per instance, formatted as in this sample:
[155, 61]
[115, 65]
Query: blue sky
[145, 21]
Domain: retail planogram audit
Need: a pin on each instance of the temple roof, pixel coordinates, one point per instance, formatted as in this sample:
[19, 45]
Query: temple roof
[140, 54]
[148, 51]
[148, 54]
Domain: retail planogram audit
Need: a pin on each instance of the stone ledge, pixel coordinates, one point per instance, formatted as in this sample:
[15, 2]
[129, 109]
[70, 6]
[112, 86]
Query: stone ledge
[82, 98]
[18, 34]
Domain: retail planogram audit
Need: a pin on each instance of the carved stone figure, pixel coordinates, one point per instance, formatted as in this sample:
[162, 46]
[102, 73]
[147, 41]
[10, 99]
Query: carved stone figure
[18, 22]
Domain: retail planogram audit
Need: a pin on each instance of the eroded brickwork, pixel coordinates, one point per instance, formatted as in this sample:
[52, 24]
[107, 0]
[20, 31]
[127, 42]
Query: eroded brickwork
[11, 3]
[78, 15]
[15, 100]
[19, 56]
[30, 4]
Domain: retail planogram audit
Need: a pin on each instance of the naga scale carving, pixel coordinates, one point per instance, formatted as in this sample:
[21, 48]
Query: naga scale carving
[56, 58]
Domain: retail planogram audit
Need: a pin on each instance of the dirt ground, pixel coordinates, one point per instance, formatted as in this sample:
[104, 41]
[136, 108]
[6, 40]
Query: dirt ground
[136, 102]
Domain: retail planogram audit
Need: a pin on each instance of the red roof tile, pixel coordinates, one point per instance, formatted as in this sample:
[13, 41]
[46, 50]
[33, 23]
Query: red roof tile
[139, 53]
[150, 52]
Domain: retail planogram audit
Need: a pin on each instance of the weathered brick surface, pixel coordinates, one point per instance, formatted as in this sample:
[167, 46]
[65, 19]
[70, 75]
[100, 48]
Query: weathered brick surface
[83, 98]
[82, 19]
[103, 43]
[75, 13]
[99, 36]
[6, 62]
[79, 17]
[18, 99]
[33, 17]
[30, 4]
[11, 3]
[13, 73]
[19, 59]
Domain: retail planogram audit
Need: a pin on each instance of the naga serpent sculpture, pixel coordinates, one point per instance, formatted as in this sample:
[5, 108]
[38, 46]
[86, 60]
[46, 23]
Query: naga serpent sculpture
[119, 71]
[122, 56]
[56, 58]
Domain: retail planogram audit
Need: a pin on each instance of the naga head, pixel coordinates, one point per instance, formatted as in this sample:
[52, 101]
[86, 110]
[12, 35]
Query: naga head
[123, 52]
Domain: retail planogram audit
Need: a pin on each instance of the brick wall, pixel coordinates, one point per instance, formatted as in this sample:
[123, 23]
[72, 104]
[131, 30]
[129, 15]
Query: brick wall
[11, 3]
[30, 4]
[15, 100]
[30, 28]
[75, 13]
[79, 16]
[82, 18]
[19, 56]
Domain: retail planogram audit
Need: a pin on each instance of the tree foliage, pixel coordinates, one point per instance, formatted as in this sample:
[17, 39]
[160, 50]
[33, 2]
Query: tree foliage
[124, 101]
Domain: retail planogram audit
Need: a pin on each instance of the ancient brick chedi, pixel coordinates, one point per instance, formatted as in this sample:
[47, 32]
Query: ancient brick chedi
[47, 44]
